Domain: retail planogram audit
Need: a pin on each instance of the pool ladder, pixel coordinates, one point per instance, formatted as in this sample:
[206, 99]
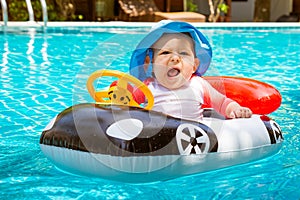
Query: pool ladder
[30, 11]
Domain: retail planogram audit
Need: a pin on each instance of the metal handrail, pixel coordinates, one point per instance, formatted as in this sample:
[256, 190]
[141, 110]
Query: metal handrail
[30, 10]
[4, 12]
[45, 13]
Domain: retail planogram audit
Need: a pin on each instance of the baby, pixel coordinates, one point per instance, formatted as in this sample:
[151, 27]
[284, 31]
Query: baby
[171, 60]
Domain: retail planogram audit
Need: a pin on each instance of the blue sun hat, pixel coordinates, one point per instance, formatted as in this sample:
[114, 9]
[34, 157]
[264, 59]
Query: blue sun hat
[202, 47]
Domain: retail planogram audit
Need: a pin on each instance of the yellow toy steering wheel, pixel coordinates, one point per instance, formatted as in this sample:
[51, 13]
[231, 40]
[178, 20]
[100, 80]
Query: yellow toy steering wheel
[118, 94]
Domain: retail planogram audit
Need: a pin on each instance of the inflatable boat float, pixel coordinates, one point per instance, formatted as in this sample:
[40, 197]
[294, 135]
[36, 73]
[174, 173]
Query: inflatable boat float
[127, 143]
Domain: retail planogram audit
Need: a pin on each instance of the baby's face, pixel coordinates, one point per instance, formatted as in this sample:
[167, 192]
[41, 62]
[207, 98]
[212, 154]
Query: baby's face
[173, 60]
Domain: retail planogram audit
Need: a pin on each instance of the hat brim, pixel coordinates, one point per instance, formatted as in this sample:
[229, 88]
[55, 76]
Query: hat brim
[202, 47]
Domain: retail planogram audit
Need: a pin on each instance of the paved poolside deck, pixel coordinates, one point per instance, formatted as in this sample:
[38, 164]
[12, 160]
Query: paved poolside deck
[147, 24]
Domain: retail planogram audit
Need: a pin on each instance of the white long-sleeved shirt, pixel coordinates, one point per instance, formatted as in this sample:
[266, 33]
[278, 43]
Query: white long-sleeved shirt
[184, 103]
[187, 102]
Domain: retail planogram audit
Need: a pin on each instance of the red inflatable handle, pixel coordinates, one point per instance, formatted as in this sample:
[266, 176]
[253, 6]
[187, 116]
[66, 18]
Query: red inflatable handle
[260, 97]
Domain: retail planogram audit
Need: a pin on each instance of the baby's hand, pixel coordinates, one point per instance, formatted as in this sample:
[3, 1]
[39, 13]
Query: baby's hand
[240, 112]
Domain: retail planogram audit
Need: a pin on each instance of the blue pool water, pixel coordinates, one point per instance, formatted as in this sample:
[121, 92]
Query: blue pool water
[44, 73]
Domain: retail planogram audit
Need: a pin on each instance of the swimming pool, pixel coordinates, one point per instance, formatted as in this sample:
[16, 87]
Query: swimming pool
[43, 73]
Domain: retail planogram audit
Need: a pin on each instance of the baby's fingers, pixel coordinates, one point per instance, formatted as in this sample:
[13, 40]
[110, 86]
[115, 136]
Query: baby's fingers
[241, 113]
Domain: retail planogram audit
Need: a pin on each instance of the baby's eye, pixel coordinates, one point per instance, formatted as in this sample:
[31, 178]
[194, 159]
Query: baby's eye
[164, 52]
[184, 53]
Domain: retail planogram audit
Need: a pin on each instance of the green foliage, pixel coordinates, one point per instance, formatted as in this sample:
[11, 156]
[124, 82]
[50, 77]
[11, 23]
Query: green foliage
[191, 6]
[17, 11]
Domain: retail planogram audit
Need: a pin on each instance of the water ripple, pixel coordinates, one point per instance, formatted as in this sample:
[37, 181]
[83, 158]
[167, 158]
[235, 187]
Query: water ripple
[42, 74]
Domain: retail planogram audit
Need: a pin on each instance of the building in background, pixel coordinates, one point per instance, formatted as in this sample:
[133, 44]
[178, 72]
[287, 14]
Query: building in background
[106, 10]
[243, 10]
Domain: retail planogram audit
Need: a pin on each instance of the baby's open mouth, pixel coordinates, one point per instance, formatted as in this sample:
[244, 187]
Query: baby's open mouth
[173, 72]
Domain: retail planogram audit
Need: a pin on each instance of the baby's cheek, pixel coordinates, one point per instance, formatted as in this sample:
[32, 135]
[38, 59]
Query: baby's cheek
[159, 72]
[187, 75]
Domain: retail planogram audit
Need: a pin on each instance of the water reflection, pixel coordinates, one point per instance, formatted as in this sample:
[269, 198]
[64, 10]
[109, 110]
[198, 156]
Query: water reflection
[5, 56]
[30, 46]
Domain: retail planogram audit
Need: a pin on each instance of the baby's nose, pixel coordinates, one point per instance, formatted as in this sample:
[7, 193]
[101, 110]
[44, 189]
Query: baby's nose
[175, 57]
